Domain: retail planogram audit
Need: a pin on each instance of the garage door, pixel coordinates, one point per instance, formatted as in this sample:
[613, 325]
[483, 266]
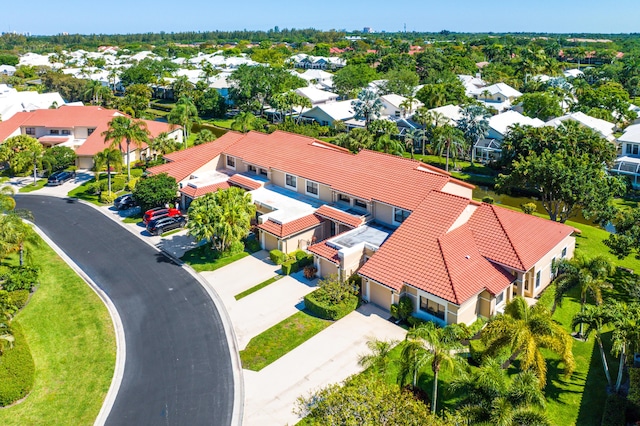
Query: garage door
[379, 295]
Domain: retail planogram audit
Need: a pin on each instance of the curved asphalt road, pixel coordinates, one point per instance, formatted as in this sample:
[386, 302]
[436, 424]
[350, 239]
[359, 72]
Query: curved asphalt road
[178, 367]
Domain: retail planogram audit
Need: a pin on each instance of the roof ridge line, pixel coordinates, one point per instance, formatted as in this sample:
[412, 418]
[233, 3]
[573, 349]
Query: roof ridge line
[446, 266]
[506, 234]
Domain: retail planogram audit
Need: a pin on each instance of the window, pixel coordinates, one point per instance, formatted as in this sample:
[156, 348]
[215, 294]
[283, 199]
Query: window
[263, 172]
[90, 131]
[399, 215]
[253, 169]
[552, 267]
[564, 252]
[628, 148]
[635, 150]
[231, 162]
[344, 198]
[30, 131]
[431, 307]
[312, 188]
[332, 228]
[537, 279]
[54, 132]
[66, 132]
[359, 203]
[499, 298]
[290, 181]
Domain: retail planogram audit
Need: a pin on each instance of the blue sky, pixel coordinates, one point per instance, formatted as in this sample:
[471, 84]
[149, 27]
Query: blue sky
[135, 16]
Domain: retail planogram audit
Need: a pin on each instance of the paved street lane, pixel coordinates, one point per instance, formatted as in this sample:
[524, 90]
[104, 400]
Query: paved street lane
[178, 368]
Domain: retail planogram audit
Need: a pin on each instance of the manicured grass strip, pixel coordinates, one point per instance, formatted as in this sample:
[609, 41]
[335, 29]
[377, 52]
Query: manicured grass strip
[226, 124]
[40, 183]
[16, 369]
[280, 339]
[72, 342]
[257, 287]
[202, 259]
[132, 219]
[82, 193]
[174, 231]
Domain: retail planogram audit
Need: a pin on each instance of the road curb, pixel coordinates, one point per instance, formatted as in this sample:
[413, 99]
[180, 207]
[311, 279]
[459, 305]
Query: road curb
[121, 352]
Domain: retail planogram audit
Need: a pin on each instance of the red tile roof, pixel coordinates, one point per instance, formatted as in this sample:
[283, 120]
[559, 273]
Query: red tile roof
[325, 251]
[340, 216]
[515, 239]
[194, 192]
[245, 182]
[291, 228]
[183, 163]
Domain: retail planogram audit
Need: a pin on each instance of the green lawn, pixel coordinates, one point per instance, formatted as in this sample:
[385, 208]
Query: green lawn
[133, 219]
[226, 123]
[257, 287]
[81, 192]
[202, 258]
[168, 233]
[72, 342]
[40, 183]
[283, 337]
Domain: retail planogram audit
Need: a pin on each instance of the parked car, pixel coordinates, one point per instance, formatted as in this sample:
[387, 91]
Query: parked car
[59, 178]
[160, 226]
[124, 202]
[158, 211]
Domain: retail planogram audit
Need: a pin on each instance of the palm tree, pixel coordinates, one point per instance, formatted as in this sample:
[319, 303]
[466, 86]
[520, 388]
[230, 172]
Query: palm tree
[14, 234]
[388, 145]
[626, 334]
[131, 131]
[589, 275]
[447, 137]
[474, 125]
[430, 121]
[360, 139]
[204, 136]
[107, 157]
[595, 317]
[411, 137]
[439, 344]
[379, 356]
[244, 122]
[367, 107]
[7, 203]
[164, 144]
[524, 330]
[407, 105]
[185, 114]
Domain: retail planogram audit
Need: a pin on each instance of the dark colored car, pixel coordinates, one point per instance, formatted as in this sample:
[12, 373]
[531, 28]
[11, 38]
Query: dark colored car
[59, 178]
[159, 211]
[160, 226]
[124, 202]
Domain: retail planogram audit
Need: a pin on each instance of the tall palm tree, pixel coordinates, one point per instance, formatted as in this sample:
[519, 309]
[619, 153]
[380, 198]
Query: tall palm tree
[430, 121]
[367, 106]
[15, 234]
[525, 330]
[595, 318]
[164, 144]
[474, 124]
[184, 114]
[626, 334]
[244, 122]
[131, 131]
[389, 145]
[439, 344]
[379, 356]
[589, 275]
[410, 139]
[107, 158]
[446, 138]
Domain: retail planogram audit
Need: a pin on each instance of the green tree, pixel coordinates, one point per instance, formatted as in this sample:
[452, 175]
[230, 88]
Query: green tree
[184, 114]
[626, 334]
[23, 153]
[58, 158]
[131, 131]
[438, 343]
[164, 144]
[626, 240]
[204, 136]
[523, 331]
[16, 235]
[449, 140]
[244, 122]
[7, 203]
[223, 218]
[389, 145]
[352, 78]
[542, 105]
[136, 100]
[107, 158]
[474, 124]
[383, 127]
[564, 183]
[155, 191]
[367, 106]
[400, 82]
[379, 356]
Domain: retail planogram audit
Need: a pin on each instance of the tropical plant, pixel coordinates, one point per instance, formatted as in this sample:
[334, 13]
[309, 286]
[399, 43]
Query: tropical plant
[7, 203]
[131, 131]
[155, 191]
[524, 330]
[244, 122]
[379, 356]
[204, 136]
[474, 125]
[15, 235]
[448, 140]
[389, 145]
[626, 334]
[164, 144]
[23, 153]
[438, 345]
[367, 106]
[108, 158]
[184, 113]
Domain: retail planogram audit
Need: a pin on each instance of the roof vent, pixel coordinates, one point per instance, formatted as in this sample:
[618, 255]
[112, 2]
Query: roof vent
[467, 257]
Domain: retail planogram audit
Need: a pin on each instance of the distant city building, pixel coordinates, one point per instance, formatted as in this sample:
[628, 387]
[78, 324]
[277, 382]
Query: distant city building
[367, 30]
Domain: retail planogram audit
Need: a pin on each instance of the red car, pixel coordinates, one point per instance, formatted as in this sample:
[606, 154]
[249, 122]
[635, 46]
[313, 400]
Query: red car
[159, 211]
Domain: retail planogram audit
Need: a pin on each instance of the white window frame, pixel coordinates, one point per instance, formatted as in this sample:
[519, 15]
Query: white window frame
[295, 181]
[317, 186]
[31, 131]
[501, 296]
[538, 279]
[231, 162]
[564, 253]
[395, 210]
[365, 207]
[426, 311]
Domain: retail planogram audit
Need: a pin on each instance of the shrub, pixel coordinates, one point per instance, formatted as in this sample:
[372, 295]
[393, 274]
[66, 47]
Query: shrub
[277, 256]
[95, 188]
[235, 248]
[18, 298]
[403, 309]
[634, 391]
[107, 197]
[154, 191]
[136, 173]
[290, 267]
[488, 200]
[20, 278]
[252, 245]
[529, 208]
[317, 303]
[334, 291]
[310, 272]
[117, 183]
[415, 321]
[17, 370]
[614, 411]
[130, 186]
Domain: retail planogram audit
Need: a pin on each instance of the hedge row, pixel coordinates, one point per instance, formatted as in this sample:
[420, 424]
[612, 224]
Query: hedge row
[614, 411]
[19, 298]
[323, 310]
[291, 263]
[17, 370]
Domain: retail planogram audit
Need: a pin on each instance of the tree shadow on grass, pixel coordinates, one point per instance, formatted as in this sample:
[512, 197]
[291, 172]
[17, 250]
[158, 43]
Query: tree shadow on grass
[595, 386]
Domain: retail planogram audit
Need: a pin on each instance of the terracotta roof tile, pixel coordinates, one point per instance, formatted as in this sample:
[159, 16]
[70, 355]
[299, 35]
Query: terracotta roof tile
[194, 192]
[340, 216]
[325, 251]
[291, 228]
[245, 182]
